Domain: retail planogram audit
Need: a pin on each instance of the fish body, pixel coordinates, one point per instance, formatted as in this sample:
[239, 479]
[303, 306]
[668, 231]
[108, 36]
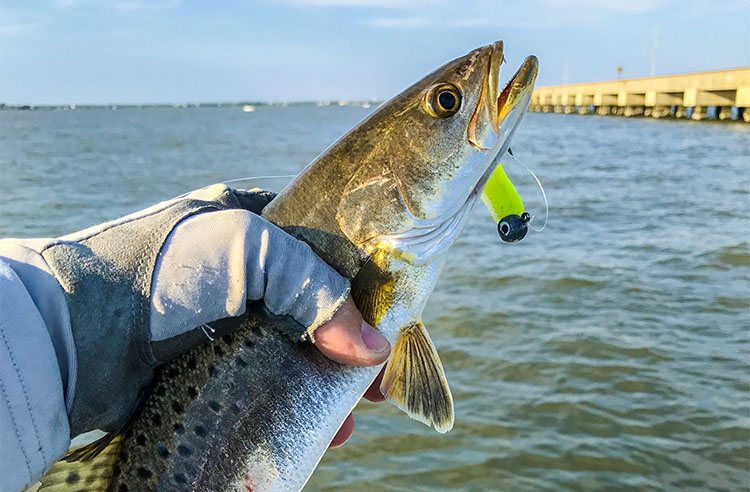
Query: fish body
[255, 410]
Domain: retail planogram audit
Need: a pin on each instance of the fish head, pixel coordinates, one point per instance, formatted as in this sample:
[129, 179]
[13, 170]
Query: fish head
[430, 150]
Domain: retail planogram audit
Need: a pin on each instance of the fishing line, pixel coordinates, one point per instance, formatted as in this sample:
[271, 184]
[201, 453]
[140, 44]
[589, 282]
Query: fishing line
[249, 178]
[541, 188]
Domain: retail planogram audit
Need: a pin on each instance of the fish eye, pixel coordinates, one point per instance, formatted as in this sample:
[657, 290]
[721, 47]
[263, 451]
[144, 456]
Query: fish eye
[443, 100]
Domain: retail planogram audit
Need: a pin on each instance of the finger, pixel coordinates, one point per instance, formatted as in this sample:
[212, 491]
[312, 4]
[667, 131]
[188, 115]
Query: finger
[347, 339]
[373, 392]
[344, 432]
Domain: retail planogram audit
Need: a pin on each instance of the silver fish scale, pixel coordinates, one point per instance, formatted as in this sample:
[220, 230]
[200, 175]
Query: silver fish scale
[215, 422]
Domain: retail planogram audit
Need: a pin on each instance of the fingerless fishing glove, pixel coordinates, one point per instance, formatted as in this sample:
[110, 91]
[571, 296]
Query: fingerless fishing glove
[121, 298]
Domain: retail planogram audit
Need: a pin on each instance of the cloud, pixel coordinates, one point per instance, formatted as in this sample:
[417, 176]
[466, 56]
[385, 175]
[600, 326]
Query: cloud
[605, 6]
[531, 14]
[17, 29]
[120, 6]
[382, 4]
[15, 25]
[703, 8]
[460, 23]
[400, 22]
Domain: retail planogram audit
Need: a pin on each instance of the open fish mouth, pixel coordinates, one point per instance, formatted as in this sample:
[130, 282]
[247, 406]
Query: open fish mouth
[508, 108]
[504, 107]
[514, 99]
[428, 238]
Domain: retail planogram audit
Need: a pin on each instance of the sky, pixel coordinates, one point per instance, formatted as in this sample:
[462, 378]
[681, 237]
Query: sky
[172, 51]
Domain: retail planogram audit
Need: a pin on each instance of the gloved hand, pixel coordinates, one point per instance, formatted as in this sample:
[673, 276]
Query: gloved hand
[121, 298]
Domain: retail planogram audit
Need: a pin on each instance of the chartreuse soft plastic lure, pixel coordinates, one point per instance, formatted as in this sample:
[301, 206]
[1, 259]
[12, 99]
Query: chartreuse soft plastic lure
[506, 206]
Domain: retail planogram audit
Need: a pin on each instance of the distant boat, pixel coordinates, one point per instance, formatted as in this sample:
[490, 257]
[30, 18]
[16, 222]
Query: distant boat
[248, 108]
[366, 105]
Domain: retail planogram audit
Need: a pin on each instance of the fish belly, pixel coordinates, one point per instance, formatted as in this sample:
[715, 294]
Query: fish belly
[251, 411]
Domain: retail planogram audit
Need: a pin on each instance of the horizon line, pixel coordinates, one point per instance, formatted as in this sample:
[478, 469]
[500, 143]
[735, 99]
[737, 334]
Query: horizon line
[190, 104]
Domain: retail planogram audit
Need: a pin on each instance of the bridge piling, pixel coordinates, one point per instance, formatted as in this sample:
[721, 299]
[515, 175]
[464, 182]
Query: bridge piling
[670, 96]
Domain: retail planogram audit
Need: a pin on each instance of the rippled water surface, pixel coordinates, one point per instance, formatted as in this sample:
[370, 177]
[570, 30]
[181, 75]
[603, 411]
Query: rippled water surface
[609, 352]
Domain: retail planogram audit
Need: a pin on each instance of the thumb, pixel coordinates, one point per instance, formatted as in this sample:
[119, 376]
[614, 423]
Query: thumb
[348, 339]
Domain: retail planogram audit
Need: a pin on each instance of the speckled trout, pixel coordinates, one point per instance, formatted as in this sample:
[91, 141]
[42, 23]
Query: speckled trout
[254, 410]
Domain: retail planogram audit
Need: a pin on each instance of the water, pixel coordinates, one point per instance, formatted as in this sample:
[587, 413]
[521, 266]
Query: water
[609, 352]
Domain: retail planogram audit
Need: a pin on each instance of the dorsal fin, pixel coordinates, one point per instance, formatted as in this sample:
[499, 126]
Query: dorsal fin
[414, 379]
[93, 475]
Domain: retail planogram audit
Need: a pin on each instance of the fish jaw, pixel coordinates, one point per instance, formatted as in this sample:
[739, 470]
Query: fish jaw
[512, 104]
[427, 239]
[403, 178]
[513, 101]
[505, 113]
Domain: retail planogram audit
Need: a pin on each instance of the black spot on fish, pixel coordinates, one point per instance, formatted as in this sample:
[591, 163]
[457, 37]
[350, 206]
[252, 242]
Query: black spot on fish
[162, 450]
[116, 470]
[122, 488]
[191, 363]
[240, 361]
[215, 405]
[123, 457]
[141, 439]
[248, 343]
[177, 406]
[192, 392]
[184, 450]
[156, 419]
[144, 473]
[179, 429]
[180, 478]
[218, 350]
[73, 477]
[211, 371]
[129, 433]
[200, 431]
[172, 372]
[160, 390]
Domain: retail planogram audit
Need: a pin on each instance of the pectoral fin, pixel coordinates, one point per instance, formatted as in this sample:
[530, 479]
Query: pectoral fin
[373, 289]
[414, 380]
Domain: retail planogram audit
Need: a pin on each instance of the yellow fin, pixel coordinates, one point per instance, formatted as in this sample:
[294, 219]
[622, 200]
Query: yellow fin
[94, 475]
[414, 380]
[90, 451]
[373, 289]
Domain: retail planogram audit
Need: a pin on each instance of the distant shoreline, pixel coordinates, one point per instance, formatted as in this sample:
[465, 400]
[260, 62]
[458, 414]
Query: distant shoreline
[241, 104]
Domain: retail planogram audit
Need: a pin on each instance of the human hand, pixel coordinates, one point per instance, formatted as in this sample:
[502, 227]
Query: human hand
[144, 289]
[348, 339]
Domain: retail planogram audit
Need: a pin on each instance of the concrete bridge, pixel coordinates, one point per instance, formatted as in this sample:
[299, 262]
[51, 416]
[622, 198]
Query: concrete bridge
[721, 94]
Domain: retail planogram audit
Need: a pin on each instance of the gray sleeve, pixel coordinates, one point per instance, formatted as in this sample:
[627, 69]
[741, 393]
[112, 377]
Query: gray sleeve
[213, 262]
[34, 430]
